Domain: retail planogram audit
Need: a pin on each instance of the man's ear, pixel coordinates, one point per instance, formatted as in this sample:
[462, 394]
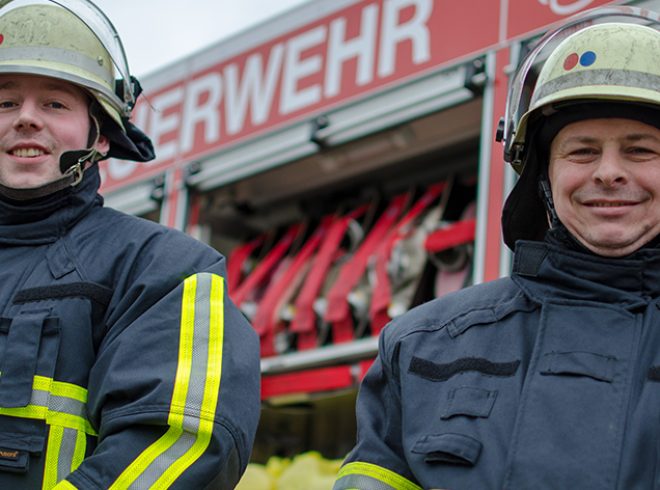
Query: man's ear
[102, 145]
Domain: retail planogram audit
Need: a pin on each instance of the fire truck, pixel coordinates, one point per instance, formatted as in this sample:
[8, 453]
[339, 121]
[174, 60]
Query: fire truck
[342, 157]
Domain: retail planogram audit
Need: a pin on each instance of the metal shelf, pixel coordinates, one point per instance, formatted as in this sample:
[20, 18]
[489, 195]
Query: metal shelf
[349, 352]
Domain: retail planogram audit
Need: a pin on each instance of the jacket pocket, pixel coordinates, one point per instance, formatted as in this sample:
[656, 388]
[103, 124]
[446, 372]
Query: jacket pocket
[30, 346]
[448, 448]
[596, 366]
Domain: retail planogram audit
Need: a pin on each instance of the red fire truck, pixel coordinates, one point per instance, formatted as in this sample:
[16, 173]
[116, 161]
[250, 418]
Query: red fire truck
[342, 156]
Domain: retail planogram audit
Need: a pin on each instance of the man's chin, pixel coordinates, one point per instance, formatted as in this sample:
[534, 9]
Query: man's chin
[25, 183]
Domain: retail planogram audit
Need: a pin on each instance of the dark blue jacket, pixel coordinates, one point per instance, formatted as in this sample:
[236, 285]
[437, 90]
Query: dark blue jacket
[549, 379]
[123, 362]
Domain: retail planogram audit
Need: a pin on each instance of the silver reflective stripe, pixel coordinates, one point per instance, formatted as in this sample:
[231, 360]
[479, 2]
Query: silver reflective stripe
[361, 482]
[67, 405]
[200, 349]
[40, 398]
[58, 55]
[67, 451]
[156, 469]
[195, 394]
[623, 78]
[55, 409]
[97, 88]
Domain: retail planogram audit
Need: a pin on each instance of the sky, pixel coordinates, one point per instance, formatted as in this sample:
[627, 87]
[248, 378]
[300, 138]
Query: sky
[158, 32]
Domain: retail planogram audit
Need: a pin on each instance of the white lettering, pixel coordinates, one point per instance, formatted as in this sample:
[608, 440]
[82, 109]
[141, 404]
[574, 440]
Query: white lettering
[559, 9]
[414, 30]
[207, 113]
[339, 50]
[162, 124]
[295, 69]
[252, 93]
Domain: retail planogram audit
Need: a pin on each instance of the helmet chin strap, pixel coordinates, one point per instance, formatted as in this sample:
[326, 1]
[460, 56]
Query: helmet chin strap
[545, 194]
[72, 165]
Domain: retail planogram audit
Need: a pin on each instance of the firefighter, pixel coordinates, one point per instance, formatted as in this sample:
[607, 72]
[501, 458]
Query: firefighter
[549, 378]
[123, 362]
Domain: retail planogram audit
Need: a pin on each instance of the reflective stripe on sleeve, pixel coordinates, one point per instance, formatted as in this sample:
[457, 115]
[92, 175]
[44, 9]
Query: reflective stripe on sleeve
[367, 476]
[65, 485]
[63, 406]
[57, 403]
[196, 389]
[64, 453]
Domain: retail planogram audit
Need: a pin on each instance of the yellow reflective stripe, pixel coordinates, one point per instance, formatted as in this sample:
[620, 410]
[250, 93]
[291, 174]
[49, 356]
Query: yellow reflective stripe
[211, 387]
[70, 422]
[52, 454]
[64, 454]
[193, 407]
[184, 367]
[49, 397]
[175, 419]
[377, 473]
[42, 383]
[28, 412]
[68, 390]
[79, 453]
[65, 485]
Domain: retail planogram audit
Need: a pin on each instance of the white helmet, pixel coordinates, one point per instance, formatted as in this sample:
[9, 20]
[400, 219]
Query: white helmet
[602, 63]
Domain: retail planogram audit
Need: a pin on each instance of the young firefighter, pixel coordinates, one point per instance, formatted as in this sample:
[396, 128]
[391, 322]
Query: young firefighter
[123, 362]
[549, 378]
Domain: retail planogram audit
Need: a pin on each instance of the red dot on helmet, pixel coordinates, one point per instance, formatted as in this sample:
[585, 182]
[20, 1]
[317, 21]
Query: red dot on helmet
[2, 38]
[571, 61]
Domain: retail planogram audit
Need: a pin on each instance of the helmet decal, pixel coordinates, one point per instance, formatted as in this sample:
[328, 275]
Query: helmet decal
[571, 61]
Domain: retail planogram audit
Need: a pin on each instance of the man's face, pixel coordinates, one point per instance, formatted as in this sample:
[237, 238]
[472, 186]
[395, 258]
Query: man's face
[40, 118]
[605, 179]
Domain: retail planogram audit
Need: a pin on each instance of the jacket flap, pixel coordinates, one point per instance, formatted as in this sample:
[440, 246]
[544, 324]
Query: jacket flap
[472, 402]
[597, 366]
[448, 448]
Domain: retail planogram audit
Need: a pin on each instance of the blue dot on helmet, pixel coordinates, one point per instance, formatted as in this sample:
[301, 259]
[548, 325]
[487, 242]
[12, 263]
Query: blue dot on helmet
[588, 58]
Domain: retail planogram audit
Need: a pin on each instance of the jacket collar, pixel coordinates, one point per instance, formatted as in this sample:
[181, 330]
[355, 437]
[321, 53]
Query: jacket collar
[551, 271]
[45, 219]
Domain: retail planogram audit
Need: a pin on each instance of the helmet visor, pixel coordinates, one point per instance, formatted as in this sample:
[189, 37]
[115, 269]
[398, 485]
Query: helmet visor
[522, 85]
[104, 31]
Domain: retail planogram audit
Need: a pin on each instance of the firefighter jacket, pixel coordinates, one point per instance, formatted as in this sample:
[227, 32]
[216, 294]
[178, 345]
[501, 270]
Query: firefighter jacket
[123, 362]
[548, 379]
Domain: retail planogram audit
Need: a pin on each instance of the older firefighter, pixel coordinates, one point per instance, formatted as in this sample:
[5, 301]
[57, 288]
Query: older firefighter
[123, 362]
[549, 378]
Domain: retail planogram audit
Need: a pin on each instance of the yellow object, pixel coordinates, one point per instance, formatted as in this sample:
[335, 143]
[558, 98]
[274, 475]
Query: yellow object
[309, 471]
[256, 477]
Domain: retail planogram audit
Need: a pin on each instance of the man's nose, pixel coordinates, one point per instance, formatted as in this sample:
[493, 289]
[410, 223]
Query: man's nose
[28, 117]
[611, 169]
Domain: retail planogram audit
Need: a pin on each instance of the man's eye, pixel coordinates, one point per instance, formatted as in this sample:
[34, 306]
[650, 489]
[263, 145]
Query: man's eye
[56, 105]
[640, 150]
[7, 104]
[583, 153]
